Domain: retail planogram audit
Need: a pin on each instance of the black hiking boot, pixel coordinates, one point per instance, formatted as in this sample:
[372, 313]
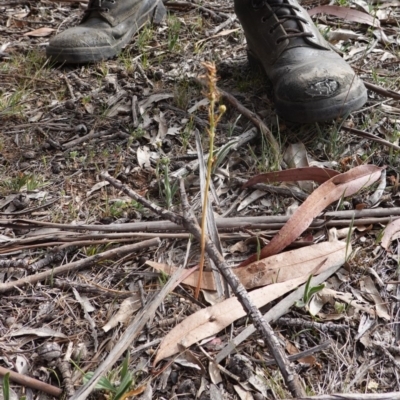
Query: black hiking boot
[311, 82]
[106, 27]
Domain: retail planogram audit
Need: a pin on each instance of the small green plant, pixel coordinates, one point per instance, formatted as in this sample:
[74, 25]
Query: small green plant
[186, 134]
[144, 38]
[116, 389]
[28, 182]
[86, 100]
[309, 292]
[73, 155]
[167, 189]
[163, 278]
[174, 27]
[6, 386]
[340, 308]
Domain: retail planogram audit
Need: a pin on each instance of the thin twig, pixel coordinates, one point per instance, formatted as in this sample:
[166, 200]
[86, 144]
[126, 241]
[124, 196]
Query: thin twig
[370, 136]
[256, 120]
[31, 382]
[382, 91]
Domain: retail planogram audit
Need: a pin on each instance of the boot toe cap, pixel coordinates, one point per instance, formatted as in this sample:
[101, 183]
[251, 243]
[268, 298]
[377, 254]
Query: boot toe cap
[80, 37]
[317, 92]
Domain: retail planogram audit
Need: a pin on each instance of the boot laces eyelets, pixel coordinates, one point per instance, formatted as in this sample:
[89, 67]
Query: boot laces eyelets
[106, 10]
[257, 4]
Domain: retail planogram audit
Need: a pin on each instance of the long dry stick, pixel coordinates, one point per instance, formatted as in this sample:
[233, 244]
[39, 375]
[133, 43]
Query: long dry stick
[289, 375]
[31, 382]
[355, 396]
[361, 217]
[106, 255]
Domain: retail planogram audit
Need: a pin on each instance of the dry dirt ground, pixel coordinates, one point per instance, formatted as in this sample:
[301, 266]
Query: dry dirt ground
[135, 117]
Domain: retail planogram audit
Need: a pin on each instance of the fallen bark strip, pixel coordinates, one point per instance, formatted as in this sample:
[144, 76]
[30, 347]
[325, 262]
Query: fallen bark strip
[288, 373]
[32, 383]
[360, 217]
[74, 266]
[354, 396]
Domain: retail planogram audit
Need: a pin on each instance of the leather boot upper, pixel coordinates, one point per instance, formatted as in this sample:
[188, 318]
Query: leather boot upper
[307, 76]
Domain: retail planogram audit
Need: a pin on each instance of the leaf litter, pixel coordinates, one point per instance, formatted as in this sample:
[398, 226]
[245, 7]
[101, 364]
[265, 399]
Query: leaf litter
[134, 116]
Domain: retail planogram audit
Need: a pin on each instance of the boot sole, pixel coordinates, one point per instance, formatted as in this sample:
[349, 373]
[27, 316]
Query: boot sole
[86, 55]
[302, 113]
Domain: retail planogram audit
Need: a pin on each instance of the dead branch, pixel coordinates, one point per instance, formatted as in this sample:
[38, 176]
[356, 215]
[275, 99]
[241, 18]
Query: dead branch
[370, 136]
[14, 264]
[323, 327]
[382, 91]
[142, 229]
[289, 375]
[74, 266]
[31, 382]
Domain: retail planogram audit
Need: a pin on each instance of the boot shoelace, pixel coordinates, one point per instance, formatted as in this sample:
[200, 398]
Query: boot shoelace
[95, 5]
[291, 32]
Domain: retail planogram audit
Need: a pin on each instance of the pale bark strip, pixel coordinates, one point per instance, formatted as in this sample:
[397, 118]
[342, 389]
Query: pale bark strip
[74, 266]
[355, 396]
[290, 377]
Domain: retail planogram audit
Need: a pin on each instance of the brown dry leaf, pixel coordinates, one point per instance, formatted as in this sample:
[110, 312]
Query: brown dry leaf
[275, 269]
[295, 156]
[349, 14]
[345, 184]
[292, 264]
[315, 174]
[211, 320]
[126, 309]
[41, 32]
[367, 286]
[207, 283]
[391, 233]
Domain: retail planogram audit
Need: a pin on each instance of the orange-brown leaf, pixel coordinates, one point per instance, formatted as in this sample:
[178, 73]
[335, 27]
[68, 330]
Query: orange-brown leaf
[319, 175]
[342, 185]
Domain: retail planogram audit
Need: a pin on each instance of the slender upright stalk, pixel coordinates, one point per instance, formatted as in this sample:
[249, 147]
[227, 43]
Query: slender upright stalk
[213, 119]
